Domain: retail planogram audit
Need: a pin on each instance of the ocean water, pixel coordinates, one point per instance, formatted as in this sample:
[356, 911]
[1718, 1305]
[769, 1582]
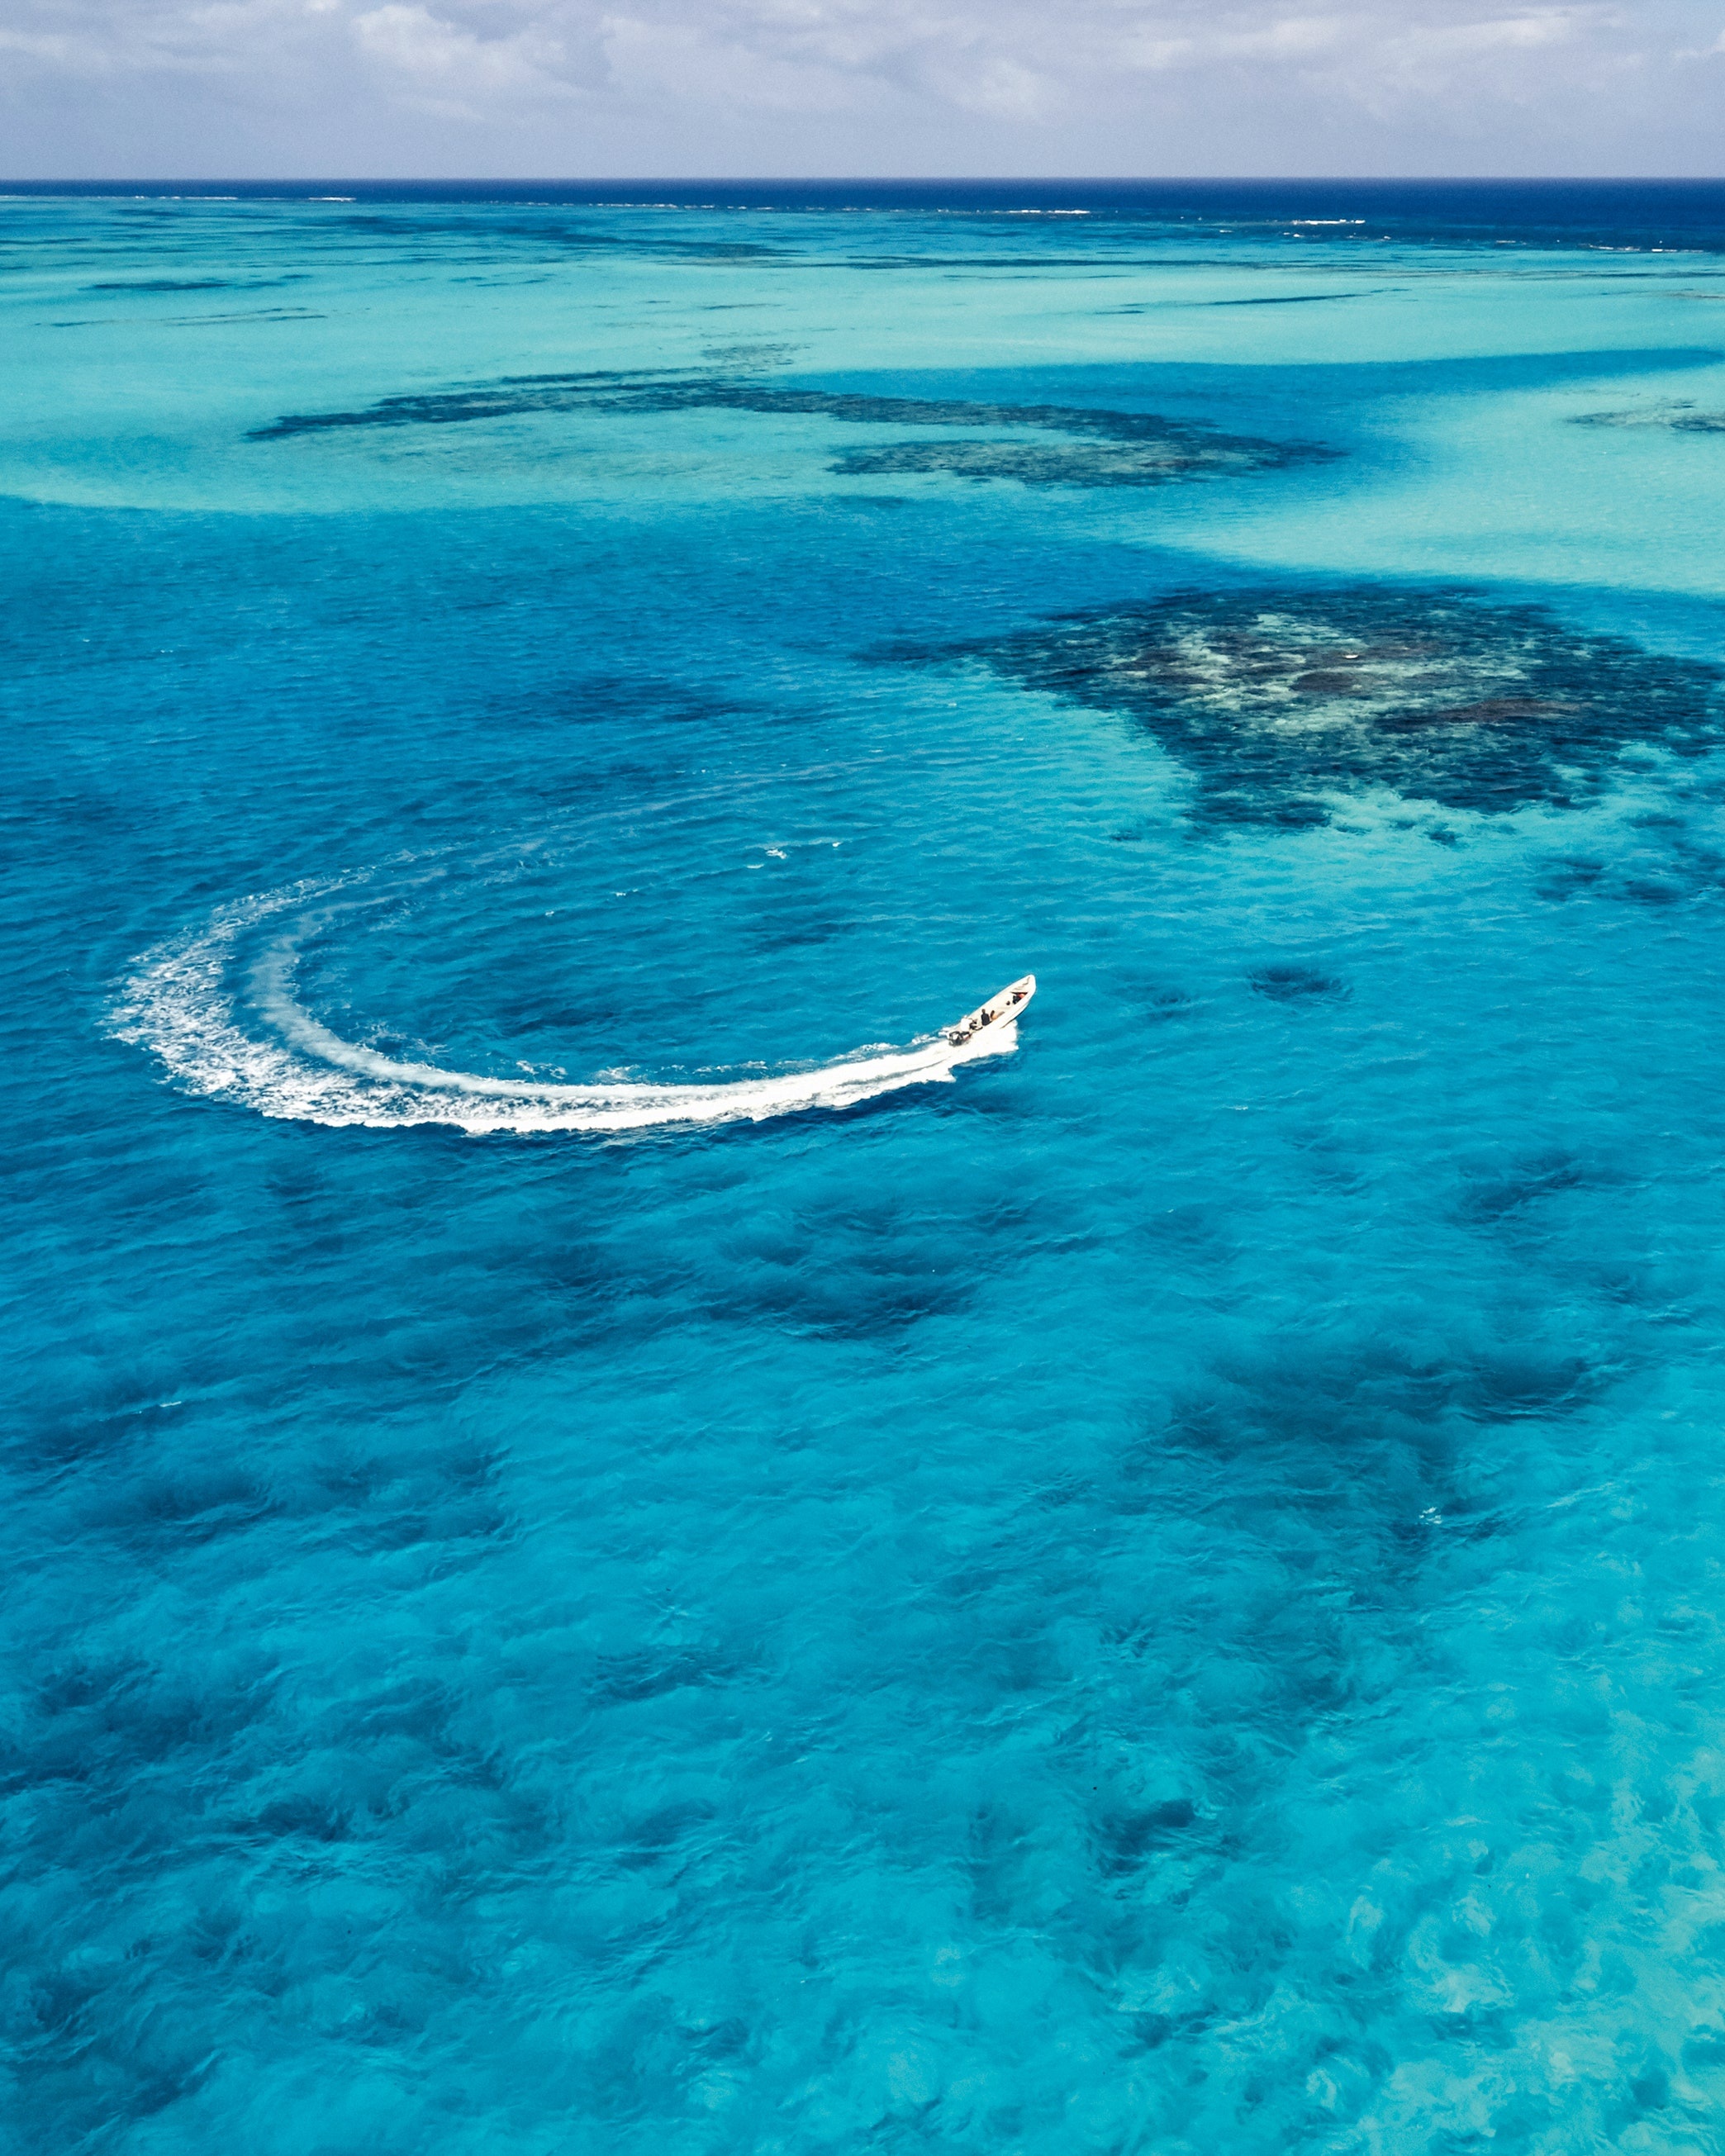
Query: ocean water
[610, 1545]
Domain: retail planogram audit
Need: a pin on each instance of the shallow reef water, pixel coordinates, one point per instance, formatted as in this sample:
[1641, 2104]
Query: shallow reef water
[610, 1545]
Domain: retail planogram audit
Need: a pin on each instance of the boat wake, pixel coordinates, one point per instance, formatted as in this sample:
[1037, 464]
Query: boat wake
[228, 1026]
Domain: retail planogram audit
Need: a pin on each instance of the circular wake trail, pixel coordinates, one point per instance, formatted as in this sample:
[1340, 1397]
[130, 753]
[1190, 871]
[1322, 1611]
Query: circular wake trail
[182, 1003]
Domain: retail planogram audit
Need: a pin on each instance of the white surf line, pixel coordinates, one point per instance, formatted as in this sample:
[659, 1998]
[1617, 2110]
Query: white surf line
[179, 1002]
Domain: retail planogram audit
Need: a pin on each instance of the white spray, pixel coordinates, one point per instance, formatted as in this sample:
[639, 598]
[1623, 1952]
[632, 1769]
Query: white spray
[180, 1004]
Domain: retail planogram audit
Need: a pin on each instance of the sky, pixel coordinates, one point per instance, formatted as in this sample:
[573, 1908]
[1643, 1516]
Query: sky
[376, 89]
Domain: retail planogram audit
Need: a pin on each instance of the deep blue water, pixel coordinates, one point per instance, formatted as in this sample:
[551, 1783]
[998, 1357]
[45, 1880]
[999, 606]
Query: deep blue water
[1158, 1590]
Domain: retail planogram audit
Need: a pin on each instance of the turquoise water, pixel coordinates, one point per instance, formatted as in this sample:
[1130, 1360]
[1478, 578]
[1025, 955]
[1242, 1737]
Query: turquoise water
[611, 1547]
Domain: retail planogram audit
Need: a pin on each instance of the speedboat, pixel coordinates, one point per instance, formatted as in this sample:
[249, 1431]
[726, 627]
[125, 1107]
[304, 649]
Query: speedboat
[999, 1010]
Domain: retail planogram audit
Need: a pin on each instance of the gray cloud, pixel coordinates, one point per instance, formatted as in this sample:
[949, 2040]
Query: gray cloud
[256, 87]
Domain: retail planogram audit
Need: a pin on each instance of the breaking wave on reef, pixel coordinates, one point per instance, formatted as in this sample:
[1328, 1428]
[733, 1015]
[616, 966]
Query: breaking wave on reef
[219, 1007]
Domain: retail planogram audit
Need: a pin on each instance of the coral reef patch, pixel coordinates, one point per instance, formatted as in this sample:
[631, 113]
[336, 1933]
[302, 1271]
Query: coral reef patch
[1103, 448]
[1275, 699]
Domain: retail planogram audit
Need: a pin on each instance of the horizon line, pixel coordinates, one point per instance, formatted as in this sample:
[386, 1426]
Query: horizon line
[842, 180]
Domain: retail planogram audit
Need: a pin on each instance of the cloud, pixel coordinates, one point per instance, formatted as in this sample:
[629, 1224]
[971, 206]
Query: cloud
[429, 54]
[1039, 63]
[715, 85]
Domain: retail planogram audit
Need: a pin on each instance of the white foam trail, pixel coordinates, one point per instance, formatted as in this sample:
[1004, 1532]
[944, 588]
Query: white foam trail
[179, 1003]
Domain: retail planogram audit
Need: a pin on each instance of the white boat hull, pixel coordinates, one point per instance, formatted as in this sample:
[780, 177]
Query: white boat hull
[1004, 1009]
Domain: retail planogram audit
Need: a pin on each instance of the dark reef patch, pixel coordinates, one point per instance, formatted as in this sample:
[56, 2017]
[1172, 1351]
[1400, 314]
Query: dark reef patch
[418, 236]
[1274, 697]
[1295, 984]
[1031, 464]
[751, 357]
[1495, 1193]
[1104, 448]
[446, 407]
[1568, 877]
[1679, 415]
[1289, 300]
[250, 315]
[165, 284]
[1670, 867]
